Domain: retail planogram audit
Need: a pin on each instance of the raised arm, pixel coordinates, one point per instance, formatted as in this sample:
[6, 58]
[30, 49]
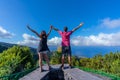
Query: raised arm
[55, 28]
[49, 31]
[77, 27]
[33, 30]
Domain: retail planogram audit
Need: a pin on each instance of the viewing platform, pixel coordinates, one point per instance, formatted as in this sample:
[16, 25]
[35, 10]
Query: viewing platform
[67, 74]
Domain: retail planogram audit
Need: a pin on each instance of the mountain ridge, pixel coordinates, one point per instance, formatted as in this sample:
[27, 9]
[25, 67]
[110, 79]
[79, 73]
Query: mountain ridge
[8, 45]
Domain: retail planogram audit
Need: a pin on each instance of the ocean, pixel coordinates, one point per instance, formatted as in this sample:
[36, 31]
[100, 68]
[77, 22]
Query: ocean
[90, 51]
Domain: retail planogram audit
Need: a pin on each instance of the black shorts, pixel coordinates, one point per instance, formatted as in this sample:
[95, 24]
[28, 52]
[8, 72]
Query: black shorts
[66, 50]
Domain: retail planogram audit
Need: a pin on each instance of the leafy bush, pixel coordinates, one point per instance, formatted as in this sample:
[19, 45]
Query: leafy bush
[55, 58]
[15, 59]
[109, 63]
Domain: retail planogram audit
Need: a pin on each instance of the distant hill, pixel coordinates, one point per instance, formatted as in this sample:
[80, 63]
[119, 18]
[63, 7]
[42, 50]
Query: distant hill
[81, 51]
[5, 46]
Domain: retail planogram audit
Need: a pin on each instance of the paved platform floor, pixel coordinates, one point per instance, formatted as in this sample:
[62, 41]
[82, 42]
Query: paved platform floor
[69, 74]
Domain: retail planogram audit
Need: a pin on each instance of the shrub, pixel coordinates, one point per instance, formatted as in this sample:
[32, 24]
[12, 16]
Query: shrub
[15, 59]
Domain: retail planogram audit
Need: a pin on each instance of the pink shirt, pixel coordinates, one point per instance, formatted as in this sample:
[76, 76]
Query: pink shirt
[65, 38]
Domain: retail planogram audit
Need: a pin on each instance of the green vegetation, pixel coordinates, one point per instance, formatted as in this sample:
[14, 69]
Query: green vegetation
[15, 59]
[109, 64]
[18, 61]
[55, 58]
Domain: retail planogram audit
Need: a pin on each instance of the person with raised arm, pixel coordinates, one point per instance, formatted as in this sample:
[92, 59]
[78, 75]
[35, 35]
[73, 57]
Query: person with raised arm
[42, 49]
[66, 48]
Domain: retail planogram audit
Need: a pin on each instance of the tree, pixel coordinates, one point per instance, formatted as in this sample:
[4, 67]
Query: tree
[15, 59]
[55, 58]
[59, 49]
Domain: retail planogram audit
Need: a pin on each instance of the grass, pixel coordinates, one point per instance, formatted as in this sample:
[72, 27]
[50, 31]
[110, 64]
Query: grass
[111, 76]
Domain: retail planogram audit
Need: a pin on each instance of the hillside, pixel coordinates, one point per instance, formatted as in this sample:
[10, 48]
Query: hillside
[5, 46]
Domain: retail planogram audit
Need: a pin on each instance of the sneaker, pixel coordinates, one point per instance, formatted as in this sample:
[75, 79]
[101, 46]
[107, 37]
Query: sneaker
[62, 67]
[70, 67]
[49, 68]
[41, 70]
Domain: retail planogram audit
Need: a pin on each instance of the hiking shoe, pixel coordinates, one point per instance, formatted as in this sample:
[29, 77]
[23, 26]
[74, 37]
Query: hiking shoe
[62, 67]
[41, 70]
[70, 67]
[49, 68]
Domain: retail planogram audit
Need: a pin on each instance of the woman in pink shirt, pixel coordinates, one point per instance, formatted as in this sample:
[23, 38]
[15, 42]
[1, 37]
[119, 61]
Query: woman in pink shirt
[66, 49]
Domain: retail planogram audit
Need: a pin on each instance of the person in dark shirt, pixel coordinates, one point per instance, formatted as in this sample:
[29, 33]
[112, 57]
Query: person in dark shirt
[42, 49]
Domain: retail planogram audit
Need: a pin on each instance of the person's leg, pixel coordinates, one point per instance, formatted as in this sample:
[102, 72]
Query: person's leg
[47, 60]
[69, 56]
[69, 60]
[40, 60]
[63, 57]
[62, 60]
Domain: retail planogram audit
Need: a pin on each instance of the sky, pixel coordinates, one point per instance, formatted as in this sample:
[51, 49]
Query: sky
[101, 21]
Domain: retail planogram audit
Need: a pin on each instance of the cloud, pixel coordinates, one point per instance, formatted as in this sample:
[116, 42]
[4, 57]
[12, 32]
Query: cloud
[5, 34]
[32, 41]
[54, 41]
[101, 39]
[29, 37]
[110, 23]
[29, 40]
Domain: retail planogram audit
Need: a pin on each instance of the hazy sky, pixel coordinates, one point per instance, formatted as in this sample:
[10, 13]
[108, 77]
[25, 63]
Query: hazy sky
[101, 21]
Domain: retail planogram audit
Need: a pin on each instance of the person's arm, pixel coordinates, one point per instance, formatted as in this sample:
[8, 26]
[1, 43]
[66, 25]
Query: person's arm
[33, 30]
[49, 31]
[77, 27]
[55, 28]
